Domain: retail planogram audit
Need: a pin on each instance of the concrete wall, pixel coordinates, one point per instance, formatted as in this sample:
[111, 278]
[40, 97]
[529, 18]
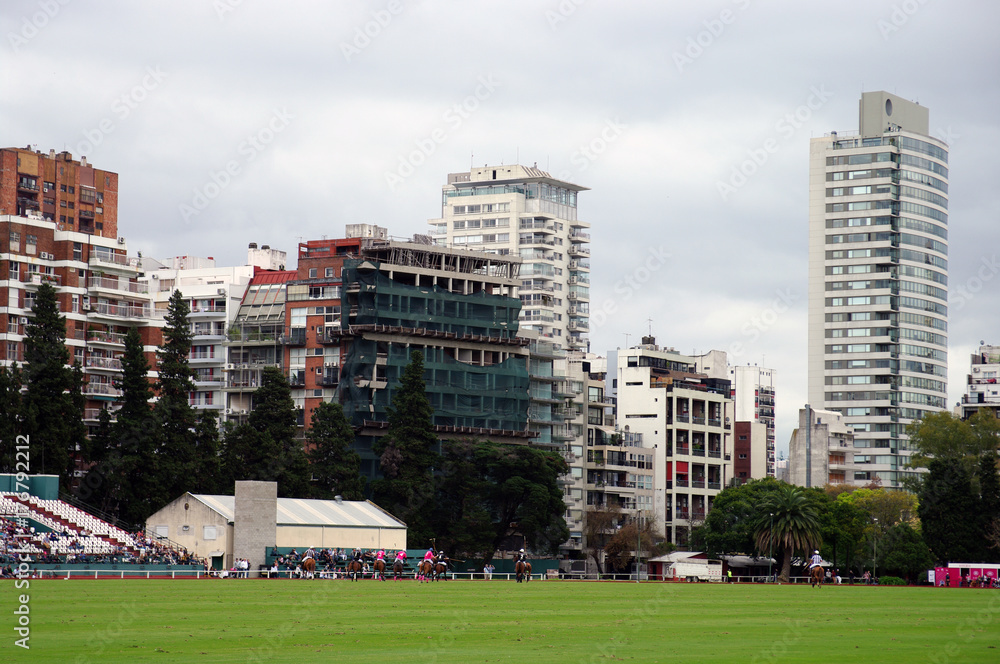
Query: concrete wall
[255, 520]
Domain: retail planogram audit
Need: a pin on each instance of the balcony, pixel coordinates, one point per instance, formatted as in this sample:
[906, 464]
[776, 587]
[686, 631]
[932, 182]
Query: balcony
[680, 481]
[94, 415]
[576, 325]
[199, 358]
[578, 250]
[575, 296]
[331, 378]
[117, 285]
[698, 450]
[101, 390]
[27, 185]
[205, 312]
[683, 449]
[98, 338]
[684, 417]
[331, 336]
[698, 483]
[111, 261]
[294, 337]
[104, 363]
[297, 378]
[108, 310]
[714, 485]
[715, 454]
[697, 419]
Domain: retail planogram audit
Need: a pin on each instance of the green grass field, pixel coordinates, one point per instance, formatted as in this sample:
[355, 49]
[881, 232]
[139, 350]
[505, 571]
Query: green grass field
[498, 621]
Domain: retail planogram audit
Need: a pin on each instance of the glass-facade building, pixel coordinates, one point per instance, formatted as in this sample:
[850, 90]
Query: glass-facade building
[878, 281]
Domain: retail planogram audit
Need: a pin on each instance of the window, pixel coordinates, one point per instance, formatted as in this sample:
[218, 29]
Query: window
[312, 273]
[329, 272]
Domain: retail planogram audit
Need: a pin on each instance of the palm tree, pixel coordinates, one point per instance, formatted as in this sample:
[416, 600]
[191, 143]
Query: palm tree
[796, 525]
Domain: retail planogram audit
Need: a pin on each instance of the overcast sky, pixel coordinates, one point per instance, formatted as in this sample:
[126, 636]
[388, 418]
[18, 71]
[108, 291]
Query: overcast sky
[242, 120]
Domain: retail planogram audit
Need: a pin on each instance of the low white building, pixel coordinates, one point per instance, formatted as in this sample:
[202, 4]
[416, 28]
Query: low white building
[204, 525]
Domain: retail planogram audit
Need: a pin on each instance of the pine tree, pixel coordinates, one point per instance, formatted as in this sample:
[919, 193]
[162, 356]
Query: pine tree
[335, 467]
[174, 414]
[126, 480]
[10, 421]
[207, 473]
[947, 510]
[408, 453]
[51, 413]
[273, 415]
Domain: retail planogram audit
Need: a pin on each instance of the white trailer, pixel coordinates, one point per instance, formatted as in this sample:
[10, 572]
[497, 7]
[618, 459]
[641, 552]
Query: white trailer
[694, 570]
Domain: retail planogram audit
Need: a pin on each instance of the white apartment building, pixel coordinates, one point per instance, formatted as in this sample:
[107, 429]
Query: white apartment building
[982, 389]
[753, 398]
[821, 450]
[878, 273]
[213, 294]
[684, 417]
[524, 211]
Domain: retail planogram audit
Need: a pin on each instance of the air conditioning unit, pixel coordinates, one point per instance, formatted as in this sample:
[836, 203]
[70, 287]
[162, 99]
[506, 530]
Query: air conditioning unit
[330, 364]
[154, 276]
[220, 291]
[86, 306]
[23, 320]
[230, 367]
[229, 411]
[121, 240]
[243, 412]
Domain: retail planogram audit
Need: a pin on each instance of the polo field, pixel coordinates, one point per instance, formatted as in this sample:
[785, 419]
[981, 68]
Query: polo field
[216, 620]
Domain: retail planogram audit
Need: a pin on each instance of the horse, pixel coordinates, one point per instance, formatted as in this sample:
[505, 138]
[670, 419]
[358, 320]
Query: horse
[522, 571]
[309, 568]
[425, 570]
[397, 569]
[440, 566]
[379, 570]
[816, 576]
[354, 568]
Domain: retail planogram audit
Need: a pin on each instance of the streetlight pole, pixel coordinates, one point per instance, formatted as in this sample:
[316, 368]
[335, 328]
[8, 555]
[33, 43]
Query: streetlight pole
[638, 546]
[770, 551]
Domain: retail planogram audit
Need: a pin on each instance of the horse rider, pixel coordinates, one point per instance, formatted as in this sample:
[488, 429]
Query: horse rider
[309, 554]
[816, 559]
[522, 557]
[401, 556]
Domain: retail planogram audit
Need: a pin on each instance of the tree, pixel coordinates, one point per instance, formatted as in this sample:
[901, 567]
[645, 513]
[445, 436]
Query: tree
[506, 490]
[273, 415]
[989, 504]
[793, 527]
[407, 453]
[335, 467]
[127, 481]
[903, 553]
[944, 436]
[599, 526]
[51, 413]
[206, 473]
[948, 508]
[629, 538]
[178, 455]
[10, 423]
[731, 525]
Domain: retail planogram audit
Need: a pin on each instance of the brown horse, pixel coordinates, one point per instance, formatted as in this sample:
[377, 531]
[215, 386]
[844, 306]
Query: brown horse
[425, 570]
[816, 576]
[354, 568]
[379, 568]
[522, 571]
[440, 566]
[397, 569]
[309, 568]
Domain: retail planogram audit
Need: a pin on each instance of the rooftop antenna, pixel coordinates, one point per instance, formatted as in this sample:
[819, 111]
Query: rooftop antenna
[517, 153]
[627, 335]
[650, 321]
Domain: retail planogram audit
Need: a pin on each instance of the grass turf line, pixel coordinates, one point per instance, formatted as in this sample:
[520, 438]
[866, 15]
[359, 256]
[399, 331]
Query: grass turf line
[477, 621]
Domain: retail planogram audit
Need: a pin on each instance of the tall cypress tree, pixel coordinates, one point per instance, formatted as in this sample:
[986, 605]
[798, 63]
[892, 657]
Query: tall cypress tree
[947, 510]
[174, 415]
[273, 415]
[51, 413]
[408, 453]
[10, 421]
[135, 489]
[334, 465]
